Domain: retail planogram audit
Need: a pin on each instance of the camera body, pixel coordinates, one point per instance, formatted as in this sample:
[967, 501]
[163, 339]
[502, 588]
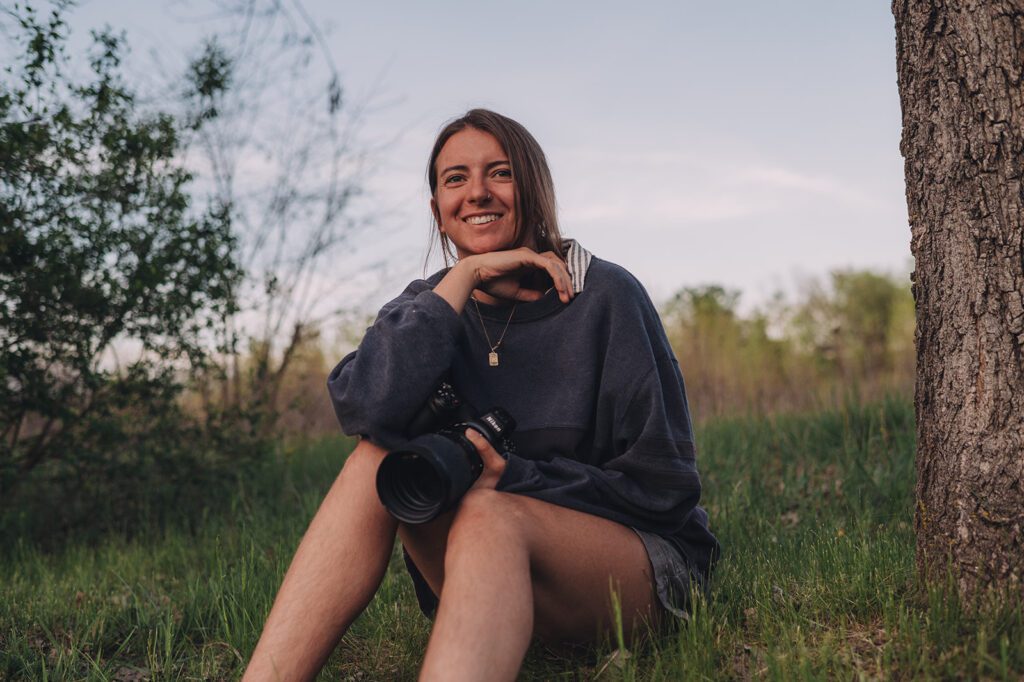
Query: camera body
[429, 475]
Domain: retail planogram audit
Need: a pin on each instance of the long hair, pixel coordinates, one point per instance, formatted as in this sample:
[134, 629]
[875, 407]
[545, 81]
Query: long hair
[536, 214]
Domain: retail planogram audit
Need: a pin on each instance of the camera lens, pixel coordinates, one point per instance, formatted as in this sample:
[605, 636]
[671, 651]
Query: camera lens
[424, 478]
[429, 475]
[411, 486]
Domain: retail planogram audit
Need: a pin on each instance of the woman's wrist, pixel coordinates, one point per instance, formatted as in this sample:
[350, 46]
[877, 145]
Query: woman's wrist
[457, 286]
[469, 266]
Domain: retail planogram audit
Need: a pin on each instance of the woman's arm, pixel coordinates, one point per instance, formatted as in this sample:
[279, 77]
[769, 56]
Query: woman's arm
[377, 389]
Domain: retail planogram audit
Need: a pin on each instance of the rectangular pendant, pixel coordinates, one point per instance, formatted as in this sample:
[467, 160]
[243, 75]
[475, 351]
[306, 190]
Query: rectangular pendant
[492, 359]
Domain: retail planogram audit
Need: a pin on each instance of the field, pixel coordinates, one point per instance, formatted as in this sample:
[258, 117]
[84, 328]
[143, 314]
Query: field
[814, 511]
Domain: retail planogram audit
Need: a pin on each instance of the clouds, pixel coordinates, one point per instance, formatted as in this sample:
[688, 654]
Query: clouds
[710, 213]
[659, 187]
[795, 182]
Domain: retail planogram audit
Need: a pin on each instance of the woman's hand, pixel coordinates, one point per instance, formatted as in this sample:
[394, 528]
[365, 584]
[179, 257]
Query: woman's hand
[494, 464]
[501, 274]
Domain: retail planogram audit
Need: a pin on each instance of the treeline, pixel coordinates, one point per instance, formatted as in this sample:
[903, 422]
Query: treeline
[847, 338]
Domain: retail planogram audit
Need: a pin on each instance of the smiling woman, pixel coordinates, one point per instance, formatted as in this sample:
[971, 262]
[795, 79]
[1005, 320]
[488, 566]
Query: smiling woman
[598, 485]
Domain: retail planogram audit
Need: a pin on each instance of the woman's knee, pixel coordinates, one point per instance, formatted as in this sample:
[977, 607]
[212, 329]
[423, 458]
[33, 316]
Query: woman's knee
[363, 461]
[486, 516]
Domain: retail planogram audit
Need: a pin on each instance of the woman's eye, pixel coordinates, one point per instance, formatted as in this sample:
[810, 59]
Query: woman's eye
[503, 173]
[452, 179]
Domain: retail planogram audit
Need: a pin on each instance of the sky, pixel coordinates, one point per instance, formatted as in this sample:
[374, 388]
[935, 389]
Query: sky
[748, 144]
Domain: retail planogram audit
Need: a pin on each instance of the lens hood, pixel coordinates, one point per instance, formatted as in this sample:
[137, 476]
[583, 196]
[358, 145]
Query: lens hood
[424, 478]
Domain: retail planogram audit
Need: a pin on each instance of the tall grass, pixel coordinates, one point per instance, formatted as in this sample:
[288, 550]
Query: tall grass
[814, 513]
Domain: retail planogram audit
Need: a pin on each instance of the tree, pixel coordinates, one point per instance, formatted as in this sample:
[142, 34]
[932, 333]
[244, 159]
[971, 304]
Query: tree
[961, 82]
[281, 149]
[731, 362]
[101, 254]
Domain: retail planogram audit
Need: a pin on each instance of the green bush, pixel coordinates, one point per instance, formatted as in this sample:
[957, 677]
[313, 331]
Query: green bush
[102, 257]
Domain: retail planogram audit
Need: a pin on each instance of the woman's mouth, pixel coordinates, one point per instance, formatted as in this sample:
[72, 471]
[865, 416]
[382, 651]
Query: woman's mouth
[481, 219]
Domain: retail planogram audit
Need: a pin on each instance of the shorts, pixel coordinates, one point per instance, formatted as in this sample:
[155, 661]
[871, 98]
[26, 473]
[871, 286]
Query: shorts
[673, 579]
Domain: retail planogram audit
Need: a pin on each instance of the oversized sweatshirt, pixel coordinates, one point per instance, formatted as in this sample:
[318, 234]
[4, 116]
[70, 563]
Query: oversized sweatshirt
[603, 425]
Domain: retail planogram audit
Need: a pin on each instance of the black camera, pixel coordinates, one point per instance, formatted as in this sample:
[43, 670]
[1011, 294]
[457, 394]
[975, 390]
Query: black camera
[429, 475]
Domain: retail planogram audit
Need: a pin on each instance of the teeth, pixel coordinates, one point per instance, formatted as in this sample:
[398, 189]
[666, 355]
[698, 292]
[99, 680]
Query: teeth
[482, 219]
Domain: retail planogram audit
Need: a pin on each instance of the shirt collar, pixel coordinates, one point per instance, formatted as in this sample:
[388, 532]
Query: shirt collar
[577, 260]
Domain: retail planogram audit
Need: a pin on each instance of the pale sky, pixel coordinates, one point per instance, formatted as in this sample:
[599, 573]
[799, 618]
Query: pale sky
[746, 143]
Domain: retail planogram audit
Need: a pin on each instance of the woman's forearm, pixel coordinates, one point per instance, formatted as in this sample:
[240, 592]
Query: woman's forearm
[457, 286]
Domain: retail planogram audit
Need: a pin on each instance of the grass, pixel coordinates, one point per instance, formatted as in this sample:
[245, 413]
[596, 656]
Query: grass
[814, 512]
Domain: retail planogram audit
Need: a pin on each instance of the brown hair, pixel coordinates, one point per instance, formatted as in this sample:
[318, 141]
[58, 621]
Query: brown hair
[537, 219]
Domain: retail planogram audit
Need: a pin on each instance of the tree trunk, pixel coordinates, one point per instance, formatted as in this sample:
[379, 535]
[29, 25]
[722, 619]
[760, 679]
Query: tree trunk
[960, 70]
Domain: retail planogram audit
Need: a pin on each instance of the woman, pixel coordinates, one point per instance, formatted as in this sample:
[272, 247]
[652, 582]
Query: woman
[602, 490]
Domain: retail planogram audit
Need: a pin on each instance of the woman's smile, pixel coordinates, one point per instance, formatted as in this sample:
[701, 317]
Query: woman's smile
[481, 219]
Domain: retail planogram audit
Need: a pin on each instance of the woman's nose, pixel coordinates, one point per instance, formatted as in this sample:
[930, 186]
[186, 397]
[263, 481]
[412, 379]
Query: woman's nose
[478, 191]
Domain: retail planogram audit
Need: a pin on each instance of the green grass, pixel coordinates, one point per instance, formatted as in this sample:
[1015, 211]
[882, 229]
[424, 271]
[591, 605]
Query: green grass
[814, 513]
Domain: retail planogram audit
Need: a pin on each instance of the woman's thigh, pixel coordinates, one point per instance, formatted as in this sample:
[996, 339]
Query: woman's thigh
[576, 560]
[426, 544]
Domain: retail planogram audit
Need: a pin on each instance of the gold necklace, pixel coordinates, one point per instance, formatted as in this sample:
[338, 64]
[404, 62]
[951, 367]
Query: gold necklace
[492, 357]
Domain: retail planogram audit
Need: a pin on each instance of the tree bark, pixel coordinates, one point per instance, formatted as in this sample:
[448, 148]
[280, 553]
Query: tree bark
[960, 67]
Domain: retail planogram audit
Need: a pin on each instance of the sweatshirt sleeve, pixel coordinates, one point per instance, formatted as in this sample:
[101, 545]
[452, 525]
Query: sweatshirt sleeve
[377, 389]
[648, 480]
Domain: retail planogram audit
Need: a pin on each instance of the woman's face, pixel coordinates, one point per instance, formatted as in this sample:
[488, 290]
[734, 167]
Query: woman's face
[475, 201]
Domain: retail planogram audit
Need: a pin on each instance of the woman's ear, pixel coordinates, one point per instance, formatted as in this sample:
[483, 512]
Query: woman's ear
[437, 216]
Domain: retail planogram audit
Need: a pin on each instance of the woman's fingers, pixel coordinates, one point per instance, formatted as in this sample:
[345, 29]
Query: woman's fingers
[559, 273]
[494, 464]
[554, 266]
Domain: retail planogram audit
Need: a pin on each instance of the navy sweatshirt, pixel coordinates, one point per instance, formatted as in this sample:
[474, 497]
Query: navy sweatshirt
[603, 425]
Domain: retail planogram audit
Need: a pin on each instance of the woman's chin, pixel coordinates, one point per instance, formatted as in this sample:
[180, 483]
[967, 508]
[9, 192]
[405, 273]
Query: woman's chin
[482, 248]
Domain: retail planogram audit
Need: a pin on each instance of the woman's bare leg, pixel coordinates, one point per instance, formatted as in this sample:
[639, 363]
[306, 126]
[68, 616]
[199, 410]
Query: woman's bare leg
[335, 573]
[516, 567]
